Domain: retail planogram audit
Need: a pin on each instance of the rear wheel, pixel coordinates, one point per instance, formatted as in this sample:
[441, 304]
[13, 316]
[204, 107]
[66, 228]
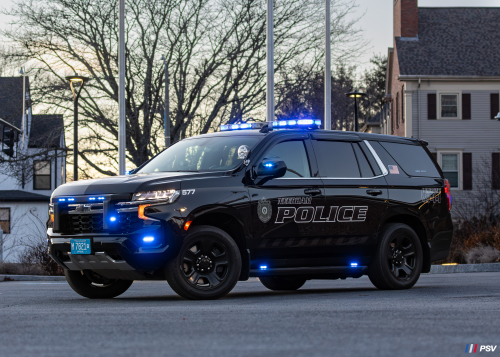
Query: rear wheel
[398, 259]
[282, 283]
[94, 286]
[208, 265]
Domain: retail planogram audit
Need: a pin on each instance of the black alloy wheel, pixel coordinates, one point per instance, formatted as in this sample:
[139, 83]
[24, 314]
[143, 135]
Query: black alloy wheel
[401, 257]
[398, 259]
[207, 266]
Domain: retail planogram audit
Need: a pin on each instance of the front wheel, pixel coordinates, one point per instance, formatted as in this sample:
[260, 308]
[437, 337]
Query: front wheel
[398, 258]
[282, 283]
[208, 265]
[94, 286]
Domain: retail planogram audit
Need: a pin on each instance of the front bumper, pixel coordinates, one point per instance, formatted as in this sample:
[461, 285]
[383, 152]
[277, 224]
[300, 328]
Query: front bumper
[117, 256]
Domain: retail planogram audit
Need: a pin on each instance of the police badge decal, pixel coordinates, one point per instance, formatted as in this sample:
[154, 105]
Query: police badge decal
[264, 210]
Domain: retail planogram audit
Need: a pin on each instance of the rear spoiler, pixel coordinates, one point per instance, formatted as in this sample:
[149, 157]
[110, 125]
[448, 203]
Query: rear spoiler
[423, 142]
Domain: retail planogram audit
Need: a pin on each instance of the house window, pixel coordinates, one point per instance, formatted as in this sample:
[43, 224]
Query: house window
[450, 163]
[5, 220]
[449, 106]
[41, 175]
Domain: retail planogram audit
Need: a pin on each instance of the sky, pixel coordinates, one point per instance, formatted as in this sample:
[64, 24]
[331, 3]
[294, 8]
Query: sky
[376, 22]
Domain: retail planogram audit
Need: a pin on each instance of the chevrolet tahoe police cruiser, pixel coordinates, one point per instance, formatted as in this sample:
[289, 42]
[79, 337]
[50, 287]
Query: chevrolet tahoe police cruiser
[284, 201]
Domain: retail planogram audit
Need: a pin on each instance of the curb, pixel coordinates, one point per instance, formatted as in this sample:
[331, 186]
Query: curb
[465, 268]
[8, 277]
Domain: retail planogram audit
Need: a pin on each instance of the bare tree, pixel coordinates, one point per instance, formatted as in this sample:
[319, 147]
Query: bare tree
[215, 52]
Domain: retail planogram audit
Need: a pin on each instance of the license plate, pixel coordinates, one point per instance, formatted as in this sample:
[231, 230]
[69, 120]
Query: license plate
[80, 246]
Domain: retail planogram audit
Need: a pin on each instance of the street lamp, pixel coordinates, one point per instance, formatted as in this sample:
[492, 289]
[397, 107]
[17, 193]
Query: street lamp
[355, 95]
[73, 82]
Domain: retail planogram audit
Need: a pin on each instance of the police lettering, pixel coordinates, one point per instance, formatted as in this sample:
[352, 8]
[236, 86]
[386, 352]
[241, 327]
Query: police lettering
[343, 214]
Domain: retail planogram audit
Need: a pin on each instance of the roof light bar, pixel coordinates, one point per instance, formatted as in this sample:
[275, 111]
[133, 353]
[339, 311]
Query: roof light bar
[280, 124]
[243, 126]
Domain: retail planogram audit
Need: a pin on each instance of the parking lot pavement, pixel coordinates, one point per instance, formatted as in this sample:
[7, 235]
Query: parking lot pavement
[438, 317]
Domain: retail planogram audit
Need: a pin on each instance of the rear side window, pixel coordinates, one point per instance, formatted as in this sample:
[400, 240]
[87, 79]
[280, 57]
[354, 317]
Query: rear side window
[336, 159]
[364, 166]
[412, 159]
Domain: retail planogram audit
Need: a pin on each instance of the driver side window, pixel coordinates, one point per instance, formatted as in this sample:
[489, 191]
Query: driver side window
[293, 153]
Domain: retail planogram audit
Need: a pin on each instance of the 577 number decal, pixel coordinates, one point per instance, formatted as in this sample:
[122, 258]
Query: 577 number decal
[188, 192]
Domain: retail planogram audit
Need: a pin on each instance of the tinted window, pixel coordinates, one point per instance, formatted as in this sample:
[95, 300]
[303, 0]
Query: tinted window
[293, 153]
[336, 159]
[204, 154]
[387, 159]
[364, 166]
[413, 159]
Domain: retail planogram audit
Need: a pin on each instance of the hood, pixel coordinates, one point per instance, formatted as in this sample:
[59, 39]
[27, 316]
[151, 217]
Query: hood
[131, 183]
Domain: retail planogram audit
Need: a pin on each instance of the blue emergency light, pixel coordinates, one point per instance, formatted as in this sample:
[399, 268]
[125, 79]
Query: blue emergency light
[280, 124]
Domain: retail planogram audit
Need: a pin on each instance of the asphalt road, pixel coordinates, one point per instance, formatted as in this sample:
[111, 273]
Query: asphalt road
[438, 317]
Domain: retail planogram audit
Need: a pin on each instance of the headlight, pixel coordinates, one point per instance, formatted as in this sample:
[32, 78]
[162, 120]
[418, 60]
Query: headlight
[167, 195]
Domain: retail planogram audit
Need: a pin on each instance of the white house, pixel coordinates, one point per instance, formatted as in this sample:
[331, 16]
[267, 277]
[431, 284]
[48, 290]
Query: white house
[443, 85]
[24, 194]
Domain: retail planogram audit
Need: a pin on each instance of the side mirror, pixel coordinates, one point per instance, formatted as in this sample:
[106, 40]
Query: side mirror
[271, 168]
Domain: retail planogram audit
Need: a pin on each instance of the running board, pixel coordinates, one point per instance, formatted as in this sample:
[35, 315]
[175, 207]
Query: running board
[337, 270]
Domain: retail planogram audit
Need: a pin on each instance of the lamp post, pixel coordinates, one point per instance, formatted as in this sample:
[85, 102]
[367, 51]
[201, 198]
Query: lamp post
[166, 119]
[328, 71]
[73, 81]
[355, 95]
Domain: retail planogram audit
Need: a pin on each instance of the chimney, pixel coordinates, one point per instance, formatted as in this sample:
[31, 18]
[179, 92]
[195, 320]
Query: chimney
[405, 18]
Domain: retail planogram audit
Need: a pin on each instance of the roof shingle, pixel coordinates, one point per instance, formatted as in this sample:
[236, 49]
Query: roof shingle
[453, 42]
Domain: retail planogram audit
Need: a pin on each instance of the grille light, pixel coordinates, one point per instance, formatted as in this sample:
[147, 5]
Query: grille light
[263, 267]
[148, 239]
[62, 200]
[91, 198]
[354, 265]
[71, 199]
[101, 198]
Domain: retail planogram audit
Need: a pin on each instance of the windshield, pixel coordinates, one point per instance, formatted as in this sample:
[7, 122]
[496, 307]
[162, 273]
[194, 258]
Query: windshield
[204, 154]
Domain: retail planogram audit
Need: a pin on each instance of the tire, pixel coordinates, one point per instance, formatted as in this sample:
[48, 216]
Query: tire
[93, 286]
[282, 283]
[207, 267]
[398, 259]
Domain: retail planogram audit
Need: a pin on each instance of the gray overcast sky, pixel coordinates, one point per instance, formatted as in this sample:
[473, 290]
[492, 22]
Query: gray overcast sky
[376, 23]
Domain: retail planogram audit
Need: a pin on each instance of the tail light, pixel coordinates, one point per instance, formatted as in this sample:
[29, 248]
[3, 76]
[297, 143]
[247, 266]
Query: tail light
[447, 191]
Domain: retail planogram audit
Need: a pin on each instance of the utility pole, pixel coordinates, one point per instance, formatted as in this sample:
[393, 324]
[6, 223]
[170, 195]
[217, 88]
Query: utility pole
[166, 119]
[121, 92]
[328, 70]
[270, 62]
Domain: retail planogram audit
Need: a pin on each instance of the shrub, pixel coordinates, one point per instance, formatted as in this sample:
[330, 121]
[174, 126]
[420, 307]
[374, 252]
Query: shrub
[36, 257]
[482, 254]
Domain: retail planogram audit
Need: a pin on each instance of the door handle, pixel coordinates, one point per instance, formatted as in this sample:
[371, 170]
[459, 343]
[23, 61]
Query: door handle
[312, 191]
[374, 192]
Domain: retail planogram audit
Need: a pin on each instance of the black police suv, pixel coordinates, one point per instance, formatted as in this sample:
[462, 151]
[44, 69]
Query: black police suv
[284, 201]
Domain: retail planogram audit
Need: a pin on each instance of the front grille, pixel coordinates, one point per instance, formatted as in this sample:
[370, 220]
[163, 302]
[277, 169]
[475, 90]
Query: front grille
[85, 223]
[129, 222]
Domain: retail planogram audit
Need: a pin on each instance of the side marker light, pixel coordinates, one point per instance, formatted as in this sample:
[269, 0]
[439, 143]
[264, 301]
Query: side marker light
[187, 224]
[141, 211]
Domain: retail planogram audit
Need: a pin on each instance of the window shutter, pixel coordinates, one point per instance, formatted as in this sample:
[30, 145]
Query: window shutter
[466, 106]
[431, 106]
[397, 110]
[402, 105]
[495, 170]
[467, 170]
[494, 104]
